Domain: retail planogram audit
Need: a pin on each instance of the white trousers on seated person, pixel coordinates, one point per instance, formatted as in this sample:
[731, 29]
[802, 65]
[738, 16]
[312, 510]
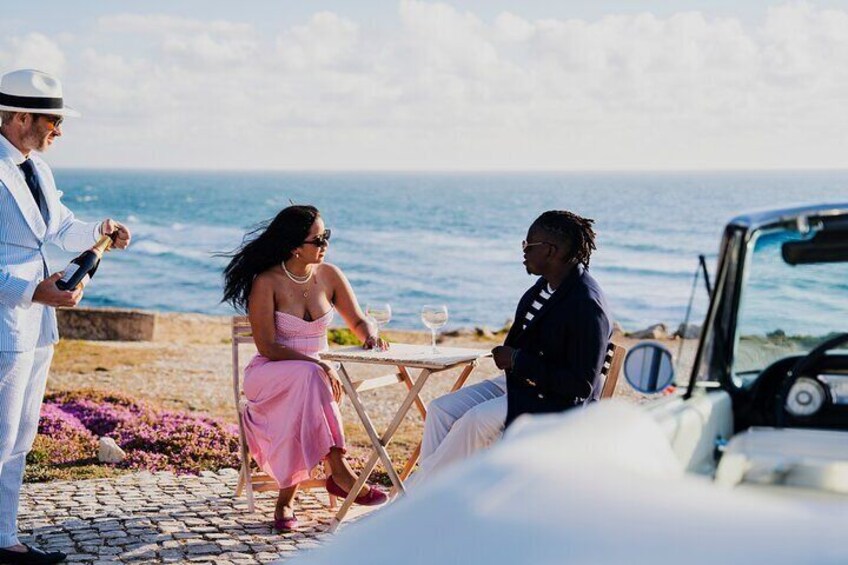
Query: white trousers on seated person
[459, 424]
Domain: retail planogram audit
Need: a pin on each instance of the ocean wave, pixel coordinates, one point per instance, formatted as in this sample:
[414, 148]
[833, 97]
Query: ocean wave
[158, 249]
[632, 270]
[150, 248]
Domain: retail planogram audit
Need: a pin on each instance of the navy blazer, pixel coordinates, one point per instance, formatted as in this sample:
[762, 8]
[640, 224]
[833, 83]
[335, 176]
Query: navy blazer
[562, 350]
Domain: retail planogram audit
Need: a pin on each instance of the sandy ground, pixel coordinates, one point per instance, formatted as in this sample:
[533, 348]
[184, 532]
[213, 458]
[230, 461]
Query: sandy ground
[188, 366]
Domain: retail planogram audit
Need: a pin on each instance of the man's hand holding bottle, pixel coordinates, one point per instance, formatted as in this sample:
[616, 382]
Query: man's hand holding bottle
[48, 293]
[65, 288]
[120, 233]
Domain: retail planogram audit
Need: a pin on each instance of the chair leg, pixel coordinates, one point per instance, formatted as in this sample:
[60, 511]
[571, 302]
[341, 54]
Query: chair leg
[251, 508]
[246, 481]
[240, 485]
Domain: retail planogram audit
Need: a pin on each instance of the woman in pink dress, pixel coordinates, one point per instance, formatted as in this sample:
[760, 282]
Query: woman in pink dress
[292, 420]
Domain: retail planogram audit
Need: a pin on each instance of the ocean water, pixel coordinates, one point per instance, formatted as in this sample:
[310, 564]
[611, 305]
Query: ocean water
[416, 238]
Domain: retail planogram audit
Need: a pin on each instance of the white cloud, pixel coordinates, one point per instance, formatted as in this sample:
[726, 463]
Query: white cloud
[510, 27]
[445, 88]
[161, 24]
[326, 41]
[37, 51]
[205, 50]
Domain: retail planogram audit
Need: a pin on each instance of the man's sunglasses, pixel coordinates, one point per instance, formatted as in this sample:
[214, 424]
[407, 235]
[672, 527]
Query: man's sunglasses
[322, 240]
[54, 121]
[525, 245]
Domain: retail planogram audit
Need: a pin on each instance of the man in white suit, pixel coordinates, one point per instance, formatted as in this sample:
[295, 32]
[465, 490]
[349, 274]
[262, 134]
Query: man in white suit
[31, 216]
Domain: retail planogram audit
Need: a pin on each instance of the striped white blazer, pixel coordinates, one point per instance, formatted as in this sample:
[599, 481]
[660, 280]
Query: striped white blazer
[25, 325]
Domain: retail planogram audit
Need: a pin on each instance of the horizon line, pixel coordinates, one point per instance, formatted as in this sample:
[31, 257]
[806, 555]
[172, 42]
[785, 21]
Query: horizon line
[456, 171]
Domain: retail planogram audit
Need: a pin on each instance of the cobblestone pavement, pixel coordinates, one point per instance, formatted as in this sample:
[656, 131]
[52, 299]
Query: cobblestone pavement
[163, 518]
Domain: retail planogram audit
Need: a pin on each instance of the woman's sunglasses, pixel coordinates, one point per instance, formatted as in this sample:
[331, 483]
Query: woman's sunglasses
[322, 240]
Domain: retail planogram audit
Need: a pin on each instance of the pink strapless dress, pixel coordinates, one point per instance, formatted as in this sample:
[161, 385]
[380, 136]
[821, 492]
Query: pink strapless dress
[291, 420]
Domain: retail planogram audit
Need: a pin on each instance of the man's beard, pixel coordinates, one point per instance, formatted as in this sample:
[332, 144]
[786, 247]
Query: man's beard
[37, 141]
[43, 145]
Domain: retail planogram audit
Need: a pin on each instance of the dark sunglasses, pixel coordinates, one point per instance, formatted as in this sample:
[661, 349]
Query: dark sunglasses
[322, 240]
[54, 121]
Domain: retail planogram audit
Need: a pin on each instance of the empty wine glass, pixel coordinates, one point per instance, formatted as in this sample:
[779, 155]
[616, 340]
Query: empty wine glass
[380, 313]
[434, 317]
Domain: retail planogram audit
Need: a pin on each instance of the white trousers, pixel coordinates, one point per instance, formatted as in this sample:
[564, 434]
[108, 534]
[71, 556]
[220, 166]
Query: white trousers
[459, 424]
[23, 376]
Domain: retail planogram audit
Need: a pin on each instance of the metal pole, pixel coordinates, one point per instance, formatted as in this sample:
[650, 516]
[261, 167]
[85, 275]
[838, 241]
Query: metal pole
[703, 261]
[686, 317]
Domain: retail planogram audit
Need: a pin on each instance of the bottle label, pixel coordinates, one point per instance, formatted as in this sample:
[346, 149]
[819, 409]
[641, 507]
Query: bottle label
[69, 272]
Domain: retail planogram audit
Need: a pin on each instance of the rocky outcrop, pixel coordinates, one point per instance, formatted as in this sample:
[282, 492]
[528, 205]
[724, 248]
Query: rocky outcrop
[657, 331]
[106, 324]
[688, 331]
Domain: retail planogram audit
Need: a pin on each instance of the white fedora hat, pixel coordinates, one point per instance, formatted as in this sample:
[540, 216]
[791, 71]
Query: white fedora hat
[28, 90]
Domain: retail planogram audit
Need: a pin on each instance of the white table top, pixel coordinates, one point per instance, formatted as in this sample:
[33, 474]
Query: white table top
[407, 355]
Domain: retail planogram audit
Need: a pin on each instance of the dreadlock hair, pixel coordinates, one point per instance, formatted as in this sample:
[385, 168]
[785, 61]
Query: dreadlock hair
[267, 245]
[573, 232]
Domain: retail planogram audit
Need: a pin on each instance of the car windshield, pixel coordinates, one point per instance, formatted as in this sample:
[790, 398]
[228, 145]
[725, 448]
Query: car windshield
[786, 309]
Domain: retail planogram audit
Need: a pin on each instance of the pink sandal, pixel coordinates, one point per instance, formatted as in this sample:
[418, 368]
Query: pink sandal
[283, 525]
[373, 497]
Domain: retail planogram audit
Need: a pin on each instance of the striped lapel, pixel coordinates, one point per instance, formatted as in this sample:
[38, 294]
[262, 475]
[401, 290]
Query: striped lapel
[515, 331]
[557, 296]
[11, 176]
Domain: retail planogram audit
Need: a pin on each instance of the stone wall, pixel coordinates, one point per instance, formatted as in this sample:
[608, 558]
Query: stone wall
[106, 324]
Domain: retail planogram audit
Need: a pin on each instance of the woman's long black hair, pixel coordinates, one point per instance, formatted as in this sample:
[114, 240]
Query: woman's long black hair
[264, 247]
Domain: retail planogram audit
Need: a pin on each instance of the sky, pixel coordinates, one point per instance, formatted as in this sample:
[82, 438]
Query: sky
[442, 86]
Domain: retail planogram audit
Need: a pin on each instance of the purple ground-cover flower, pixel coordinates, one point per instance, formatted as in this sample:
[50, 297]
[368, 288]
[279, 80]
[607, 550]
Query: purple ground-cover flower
[154, 440]
[64, 438]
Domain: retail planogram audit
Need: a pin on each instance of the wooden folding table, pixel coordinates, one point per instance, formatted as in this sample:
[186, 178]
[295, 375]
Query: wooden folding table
[404, 357]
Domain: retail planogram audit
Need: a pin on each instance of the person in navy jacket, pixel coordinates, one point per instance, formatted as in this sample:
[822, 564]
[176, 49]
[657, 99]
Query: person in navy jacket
[551, 358]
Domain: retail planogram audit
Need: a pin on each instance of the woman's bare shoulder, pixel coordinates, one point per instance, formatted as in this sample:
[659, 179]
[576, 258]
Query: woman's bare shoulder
[329, 270]
[267, 279]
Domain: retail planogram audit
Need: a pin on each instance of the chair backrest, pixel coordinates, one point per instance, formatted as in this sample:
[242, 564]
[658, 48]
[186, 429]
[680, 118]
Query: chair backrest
[612, 368]
[241, 333]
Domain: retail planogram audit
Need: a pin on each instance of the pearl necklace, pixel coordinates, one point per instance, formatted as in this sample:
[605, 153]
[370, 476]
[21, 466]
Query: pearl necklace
[294, 279]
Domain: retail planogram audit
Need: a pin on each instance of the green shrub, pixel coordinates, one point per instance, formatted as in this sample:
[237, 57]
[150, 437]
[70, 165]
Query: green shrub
[342, 336]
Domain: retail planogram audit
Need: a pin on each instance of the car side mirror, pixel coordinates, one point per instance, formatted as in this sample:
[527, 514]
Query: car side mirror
[648, 367]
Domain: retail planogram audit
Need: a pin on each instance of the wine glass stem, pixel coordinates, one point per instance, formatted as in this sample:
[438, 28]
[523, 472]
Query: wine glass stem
[433, 333]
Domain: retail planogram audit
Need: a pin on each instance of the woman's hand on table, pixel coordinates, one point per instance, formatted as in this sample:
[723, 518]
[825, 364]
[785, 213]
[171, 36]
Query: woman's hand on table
[374, 342]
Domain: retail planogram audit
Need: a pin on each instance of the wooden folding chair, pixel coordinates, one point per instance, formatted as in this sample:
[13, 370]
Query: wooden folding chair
[612, 368]
[252, 479]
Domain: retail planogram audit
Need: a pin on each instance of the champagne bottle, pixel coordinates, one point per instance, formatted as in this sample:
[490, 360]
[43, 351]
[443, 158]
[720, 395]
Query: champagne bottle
[80, 270]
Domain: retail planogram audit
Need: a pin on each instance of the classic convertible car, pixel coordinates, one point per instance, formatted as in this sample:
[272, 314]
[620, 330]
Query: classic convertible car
[748, 464]
[767, 402]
